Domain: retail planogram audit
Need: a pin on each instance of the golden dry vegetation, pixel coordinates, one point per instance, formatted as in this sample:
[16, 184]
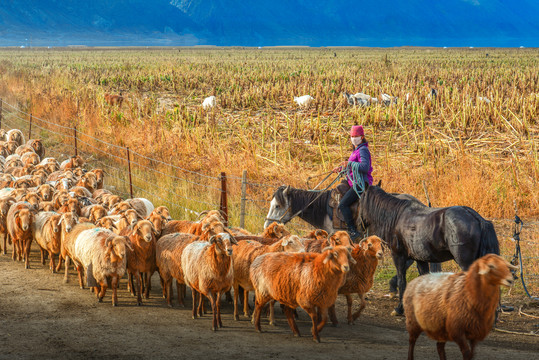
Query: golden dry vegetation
[467, 151]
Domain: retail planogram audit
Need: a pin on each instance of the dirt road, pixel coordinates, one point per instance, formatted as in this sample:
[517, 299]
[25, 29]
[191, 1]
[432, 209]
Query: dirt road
[43, 318]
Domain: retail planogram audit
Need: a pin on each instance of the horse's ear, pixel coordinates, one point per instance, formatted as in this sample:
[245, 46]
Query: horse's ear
[285, 192]
[379, 184]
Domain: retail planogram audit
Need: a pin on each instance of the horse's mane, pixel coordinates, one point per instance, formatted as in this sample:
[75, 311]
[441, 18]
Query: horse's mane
[301, 198]
[382, 210]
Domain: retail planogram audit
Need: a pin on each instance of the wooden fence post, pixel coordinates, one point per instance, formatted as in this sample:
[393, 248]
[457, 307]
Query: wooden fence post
[30, 129]
[75, 137]
[224, 200]
[243, 198]
[129, 167]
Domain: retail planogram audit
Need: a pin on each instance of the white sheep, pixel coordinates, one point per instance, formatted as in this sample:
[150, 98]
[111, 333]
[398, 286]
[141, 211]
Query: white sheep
[15, 135]
[388, 99]
[359, 99]
[209, 102]
[303, 101]
[102, 253]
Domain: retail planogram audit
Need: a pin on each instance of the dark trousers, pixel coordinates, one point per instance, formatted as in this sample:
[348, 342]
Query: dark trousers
[347, 200]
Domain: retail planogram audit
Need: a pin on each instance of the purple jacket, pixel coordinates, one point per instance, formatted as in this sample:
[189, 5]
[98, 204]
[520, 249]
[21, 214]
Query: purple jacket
[362, 155]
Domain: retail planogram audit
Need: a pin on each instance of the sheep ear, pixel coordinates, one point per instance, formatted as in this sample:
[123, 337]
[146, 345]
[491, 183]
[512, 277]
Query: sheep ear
[485, 269]
[328, 257]
[127, 243]
[60, 222]
[233, 240]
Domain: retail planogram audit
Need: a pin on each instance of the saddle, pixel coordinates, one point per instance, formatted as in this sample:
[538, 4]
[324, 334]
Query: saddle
[334, 200]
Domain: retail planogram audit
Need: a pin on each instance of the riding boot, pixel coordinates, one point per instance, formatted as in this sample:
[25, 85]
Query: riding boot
[352, 231]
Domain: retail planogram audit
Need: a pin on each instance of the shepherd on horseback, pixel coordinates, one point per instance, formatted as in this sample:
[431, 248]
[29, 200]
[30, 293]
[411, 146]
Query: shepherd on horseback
[358, 173]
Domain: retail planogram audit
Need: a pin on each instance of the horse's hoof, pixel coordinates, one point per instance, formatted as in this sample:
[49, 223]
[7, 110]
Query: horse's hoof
[316, 340]
[396, 313]
[392, 295]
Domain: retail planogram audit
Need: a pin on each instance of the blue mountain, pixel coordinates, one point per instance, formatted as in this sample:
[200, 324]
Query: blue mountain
[277, 22]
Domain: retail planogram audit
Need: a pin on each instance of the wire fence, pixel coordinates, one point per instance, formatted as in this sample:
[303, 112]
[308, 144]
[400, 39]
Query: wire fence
[186, 193]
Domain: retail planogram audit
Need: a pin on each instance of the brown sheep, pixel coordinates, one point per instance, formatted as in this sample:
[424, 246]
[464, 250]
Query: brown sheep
[319, 234]
[5, 204]
[108, 222]
[80, 191]
[244, 255]
[46, 206]
[169, 250]
[158, 223]
[163, 212]
[112, 200]
[176, 226]
[100, 177]
[100, 194]
[207, 268]
[93, 212]
[30, 158]
[23, 183]
[127, 218]
[72, 163]
[141, 259]
[87, 181]
[338, 238]
[119, 207]
[38, 147]
[32, 198]
[456, 307]
[47, 234]
[305, 280]
[72, 205]
[360, 278]
[275, 231]
[45, 192]
[11, 146]
[19, 225]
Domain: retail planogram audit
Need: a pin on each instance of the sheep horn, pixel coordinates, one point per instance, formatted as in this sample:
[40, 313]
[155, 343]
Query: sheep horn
[202, 213]
[212, 239]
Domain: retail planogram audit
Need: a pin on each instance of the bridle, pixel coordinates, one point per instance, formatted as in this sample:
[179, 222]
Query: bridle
[320, 193]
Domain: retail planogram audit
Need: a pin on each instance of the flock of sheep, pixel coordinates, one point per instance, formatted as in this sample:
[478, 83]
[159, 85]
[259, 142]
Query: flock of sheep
[66, 211]
[358, 99]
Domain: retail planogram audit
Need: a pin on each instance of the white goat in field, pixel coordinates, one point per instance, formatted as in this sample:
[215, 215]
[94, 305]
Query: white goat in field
[209, 102]
[360, 99]
[388, 99]
[303, 101]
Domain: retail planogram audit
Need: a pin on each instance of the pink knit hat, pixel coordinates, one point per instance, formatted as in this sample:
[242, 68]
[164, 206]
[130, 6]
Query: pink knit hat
[356, 130]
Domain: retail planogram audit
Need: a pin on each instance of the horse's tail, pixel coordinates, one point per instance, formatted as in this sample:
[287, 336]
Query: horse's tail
[488, 243]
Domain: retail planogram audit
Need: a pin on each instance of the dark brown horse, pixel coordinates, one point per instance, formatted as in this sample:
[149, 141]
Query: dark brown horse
[415, 231]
